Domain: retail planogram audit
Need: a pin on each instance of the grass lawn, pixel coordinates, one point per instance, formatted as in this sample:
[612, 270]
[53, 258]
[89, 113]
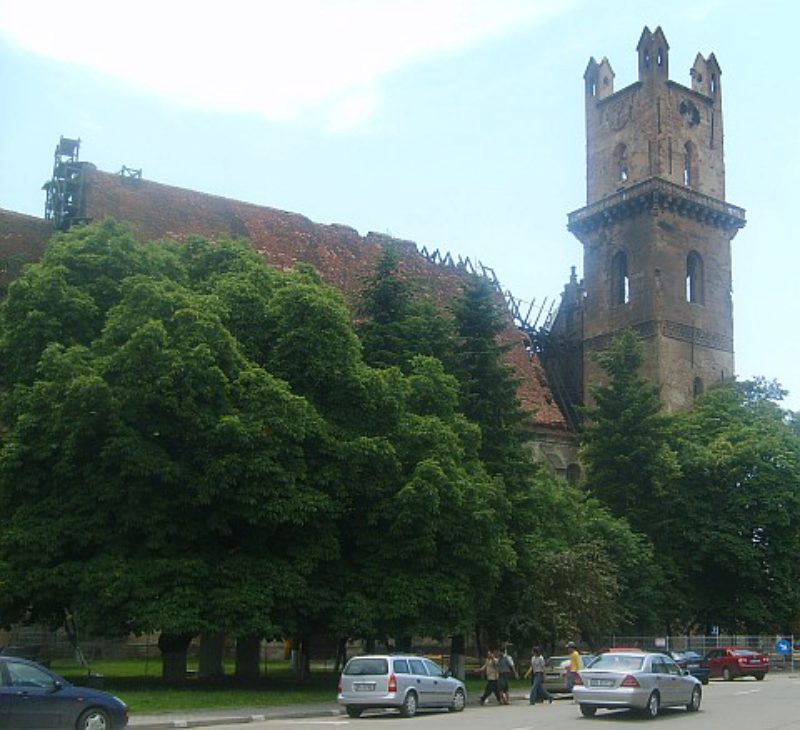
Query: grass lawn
[138, 683]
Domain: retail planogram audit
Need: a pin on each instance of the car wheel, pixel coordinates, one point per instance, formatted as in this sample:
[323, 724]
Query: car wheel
[653, 704]
[94, 718]
[588, 711]
[459, 700]
[759, 677]
[694, 702]
[409, 707]
[353, 711]
[727, 674]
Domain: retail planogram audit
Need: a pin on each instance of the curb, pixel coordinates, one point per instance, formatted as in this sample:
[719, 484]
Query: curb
[162, 723]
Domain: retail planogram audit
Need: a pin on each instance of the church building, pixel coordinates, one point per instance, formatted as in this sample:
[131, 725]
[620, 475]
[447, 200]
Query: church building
[656, 233]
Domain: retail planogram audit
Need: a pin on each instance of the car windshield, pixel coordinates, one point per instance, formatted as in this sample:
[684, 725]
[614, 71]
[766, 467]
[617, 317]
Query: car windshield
[360, 667]
[618, 662]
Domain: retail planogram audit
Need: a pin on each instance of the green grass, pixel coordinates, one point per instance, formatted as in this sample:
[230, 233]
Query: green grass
[139, 684]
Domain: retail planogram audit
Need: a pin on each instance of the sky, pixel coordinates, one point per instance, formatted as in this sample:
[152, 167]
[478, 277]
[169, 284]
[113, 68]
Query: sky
[456, 124]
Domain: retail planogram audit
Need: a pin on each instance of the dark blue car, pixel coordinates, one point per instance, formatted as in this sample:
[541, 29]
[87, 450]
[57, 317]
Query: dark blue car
[692, 662]
[33, 697]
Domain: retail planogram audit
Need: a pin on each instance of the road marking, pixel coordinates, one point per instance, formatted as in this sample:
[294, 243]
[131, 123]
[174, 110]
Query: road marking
[747, 692]
[319, 722]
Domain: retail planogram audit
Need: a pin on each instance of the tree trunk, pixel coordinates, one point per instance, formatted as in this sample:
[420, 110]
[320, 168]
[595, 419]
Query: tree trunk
[212, 648]
[341, 655]
[173, 656]
[248, 650]
[303, 657]
[458, 661]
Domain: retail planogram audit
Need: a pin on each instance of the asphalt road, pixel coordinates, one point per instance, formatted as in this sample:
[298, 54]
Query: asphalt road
[773, 704]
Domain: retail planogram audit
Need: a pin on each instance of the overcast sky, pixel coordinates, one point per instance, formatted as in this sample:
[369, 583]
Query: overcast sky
[456, 124]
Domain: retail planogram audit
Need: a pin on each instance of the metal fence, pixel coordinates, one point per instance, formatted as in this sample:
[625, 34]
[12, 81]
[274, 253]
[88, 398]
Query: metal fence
[775, 647]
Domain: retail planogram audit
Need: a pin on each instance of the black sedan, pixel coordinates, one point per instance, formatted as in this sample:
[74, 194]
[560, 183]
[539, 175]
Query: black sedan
[32, 696]
[693, 663]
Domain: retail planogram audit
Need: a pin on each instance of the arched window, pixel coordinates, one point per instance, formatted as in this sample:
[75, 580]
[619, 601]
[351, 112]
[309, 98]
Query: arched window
[697, 388]
[574, 474]
[691, 176]
[620, 284]
[695, 279]
[621, 170]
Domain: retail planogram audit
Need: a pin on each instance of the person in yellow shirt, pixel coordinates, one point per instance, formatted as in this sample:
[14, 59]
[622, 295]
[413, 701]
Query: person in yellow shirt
[574, 665]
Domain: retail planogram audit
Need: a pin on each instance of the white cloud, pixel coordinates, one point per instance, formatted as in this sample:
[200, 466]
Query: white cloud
[277, 58]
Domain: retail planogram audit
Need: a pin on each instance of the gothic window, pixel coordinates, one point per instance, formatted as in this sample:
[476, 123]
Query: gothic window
[690, 166]
[713, 83]
[621, 169]
[695, 289]
[697, 388]
[660, 57]
[620, 284]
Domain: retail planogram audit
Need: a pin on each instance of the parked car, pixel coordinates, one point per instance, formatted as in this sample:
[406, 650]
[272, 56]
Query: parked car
[33, 696]
[641, 681]
[405, 682]
[693, 663]
[730, 662]
[555, 672]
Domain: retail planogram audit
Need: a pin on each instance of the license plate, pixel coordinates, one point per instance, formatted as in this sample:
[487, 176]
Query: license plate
[602, 683]
[692, 666]
[552, 676]
[364, 686]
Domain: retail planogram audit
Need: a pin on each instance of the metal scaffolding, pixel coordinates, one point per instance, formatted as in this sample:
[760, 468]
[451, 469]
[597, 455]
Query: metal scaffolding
[65, 204]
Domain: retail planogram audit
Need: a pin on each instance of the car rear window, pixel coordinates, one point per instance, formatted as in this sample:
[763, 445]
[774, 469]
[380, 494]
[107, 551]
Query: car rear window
[555, 661]
[400, 666]
[614, 662]
[360, 667]
[744, 652]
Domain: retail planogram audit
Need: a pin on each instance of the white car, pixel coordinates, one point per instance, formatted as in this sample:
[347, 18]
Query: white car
[405, 682]
[637, 680]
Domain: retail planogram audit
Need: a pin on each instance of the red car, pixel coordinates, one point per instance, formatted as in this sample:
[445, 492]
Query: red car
[730, 662]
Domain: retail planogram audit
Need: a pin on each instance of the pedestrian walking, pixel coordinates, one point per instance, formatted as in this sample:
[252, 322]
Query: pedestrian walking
[505, 665]
[536, 673]
[492, 674]
[574, 665]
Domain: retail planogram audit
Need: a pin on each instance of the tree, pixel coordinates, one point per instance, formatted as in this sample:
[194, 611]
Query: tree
[398, 324]
[152, 477]
[630, 464]
[740, 497]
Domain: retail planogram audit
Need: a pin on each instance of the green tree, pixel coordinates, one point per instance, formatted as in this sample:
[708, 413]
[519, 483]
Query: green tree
[152, 477]
[740, 496]
[631, 466]
[398, 324]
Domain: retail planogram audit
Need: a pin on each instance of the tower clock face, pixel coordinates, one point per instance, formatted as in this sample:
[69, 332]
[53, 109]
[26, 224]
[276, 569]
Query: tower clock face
[618, 114]
[689, 112]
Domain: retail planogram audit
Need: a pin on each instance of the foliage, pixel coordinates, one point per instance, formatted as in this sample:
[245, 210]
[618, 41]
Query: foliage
[740, 495]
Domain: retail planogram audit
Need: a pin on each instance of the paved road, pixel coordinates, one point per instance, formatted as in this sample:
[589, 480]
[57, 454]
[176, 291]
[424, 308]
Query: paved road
[773, 704]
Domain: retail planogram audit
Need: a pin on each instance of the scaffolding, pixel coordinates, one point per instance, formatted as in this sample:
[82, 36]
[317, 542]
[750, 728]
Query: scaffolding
[65, 204]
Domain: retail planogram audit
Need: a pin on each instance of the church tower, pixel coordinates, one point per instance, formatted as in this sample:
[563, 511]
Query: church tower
[656, 229]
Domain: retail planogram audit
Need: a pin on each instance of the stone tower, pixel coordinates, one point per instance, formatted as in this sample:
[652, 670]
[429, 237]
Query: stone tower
[656, 229]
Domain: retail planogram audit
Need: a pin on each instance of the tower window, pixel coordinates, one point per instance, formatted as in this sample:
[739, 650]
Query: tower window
[620, 283]
[697, 388]
[713, 83]
[660, 57]
[621, 169]
[691, 175]
[695, 284]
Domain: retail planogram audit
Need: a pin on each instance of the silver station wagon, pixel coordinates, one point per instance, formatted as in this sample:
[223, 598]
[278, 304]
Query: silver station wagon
[637, 680]
[400, 681]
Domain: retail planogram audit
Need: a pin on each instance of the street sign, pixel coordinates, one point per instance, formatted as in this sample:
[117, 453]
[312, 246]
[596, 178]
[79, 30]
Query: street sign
[784, 646]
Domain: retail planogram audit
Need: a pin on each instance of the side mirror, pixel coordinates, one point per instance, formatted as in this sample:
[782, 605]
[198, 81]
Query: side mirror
[57, 686]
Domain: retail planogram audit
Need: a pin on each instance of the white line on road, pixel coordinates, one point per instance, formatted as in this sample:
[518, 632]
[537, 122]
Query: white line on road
[748, 692]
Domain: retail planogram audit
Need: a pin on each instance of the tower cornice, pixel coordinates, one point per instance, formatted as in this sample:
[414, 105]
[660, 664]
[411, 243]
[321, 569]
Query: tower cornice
[656, 194]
